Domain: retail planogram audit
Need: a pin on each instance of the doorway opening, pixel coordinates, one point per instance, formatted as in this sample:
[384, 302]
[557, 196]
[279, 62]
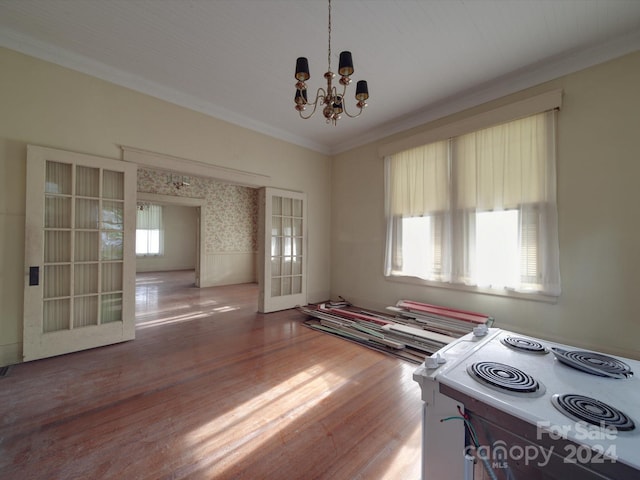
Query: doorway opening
[276, 259]
[181, 235]
[167, 239]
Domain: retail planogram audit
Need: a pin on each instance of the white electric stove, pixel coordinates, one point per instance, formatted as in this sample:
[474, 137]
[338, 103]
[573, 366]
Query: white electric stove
[493, 408]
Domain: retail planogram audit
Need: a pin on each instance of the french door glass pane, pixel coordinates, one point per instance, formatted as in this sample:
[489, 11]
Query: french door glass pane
[57, 281]
[297, 246]
[85, 311]
[86, 279]
[286, 285]
[297, 208]
[57, 246]
[86, 247]
[296, 267]
[87, 213]
[296, 285]
[286, 207]
[275, 267]
[276, 291]
[111, 246]
[56, 315]
[57, 213]
[87, 182]
[113, 185]
[58, 178]
[112, 277]
[276, 225]
[276, 205]
[297, 227]
[112, 215]
[276, 246]
[286, 226]
[111, 308]
[286, 266]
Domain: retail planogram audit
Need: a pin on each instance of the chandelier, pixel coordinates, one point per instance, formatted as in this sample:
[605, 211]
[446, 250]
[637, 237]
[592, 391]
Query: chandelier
[178, 181]
[333, 101]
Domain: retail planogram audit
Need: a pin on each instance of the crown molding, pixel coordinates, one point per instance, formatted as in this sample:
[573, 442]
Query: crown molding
[521, 79]
[80, 63]
[527, 77]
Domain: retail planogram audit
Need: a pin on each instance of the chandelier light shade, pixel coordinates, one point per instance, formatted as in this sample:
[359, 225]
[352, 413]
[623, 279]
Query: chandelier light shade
[362, 91]
[345, 68]
[332, 100]
[302, 69]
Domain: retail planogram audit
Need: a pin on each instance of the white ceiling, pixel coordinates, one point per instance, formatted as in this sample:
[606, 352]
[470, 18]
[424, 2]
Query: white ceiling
[235, 59]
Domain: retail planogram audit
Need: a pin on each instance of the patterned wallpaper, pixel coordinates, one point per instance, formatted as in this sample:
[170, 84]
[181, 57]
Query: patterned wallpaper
[230, 213]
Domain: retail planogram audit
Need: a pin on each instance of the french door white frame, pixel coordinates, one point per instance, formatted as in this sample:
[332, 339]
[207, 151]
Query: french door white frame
[40, 340]
[282, 249]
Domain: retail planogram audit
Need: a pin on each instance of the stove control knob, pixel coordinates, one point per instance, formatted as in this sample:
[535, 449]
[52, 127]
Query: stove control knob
[480, 330]
[434, 361]
[430, 363]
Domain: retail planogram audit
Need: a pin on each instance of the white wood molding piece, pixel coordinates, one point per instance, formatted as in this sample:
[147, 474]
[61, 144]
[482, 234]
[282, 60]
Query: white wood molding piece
[171, 199]
[418, 332]
[184, 166]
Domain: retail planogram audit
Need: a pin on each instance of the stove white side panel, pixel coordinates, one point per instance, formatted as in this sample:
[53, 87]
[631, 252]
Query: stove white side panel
[442, 442]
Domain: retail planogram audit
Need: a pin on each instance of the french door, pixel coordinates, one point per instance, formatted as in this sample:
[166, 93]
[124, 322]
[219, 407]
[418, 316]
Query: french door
[282, 261]
[79, 252]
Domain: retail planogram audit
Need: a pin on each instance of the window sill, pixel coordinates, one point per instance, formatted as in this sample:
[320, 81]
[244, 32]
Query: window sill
[536, 297]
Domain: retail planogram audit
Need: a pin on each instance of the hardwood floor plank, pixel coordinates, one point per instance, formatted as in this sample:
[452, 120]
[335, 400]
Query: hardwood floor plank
[212, 389]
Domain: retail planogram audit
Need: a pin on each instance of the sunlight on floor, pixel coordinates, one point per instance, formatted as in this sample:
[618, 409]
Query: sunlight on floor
[187, 317]
[410, 449]
[148, 281]
[288, 401]
[169, 320]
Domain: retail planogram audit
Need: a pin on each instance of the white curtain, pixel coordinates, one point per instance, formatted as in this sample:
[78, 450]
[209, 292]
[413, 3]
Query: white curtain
[417, 185]
[467, 186]
[149, 232]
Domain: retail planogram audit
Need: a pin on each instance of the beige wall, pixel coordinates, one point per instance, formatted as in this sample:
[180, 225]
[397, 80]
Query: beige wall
[599, 220]
[47, 105]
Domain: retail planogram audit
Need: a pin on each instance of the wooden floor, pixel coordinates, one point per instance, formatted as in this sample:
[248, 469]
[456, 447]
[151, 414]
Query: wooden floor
[211, 389]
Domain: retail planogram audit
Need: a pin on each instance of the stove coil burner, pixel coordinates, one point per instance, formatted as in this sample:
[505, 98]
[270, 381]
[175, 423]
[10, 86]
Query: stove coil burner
[524, 344]
[505, 378]
[592, 411]
[594, 363]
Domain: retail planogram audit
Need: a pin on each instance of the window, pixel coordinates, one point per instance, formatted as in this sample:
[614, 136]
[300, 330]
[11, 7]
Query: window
[478, 209]
[149, 233]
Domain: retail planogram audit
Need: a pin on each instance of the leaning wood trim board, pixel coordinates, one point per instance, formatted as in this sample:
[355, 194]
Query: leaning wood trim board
[418, 332]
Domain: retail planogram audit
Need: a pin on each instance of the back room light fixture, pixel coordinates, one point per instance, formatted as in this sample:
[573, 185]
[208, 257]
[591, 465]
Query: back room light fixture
[333, 101]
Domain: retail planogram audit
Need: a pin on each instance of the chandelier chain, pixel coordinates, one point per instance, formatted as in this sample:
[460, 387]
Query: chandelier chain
[329, 49]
